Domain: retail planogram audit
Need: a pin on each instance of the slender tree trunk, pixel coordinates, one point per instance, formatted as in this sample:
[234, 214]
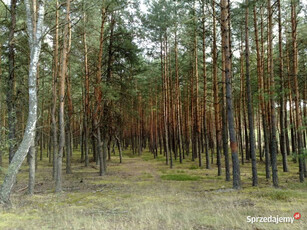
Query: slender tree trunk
[301, 157]
[11, 84]
[215, 92]
[286, 125]
[272, 99]
[164, 95]
[168, 98]
[108, 103]
[259, 136]
[86, 96]
[178, 98]
[250, 102]
[29, 135]
[224, 122]
[31, 155]
[41, 133]
[54, 90]
[70, 108]
[282, 112]
[259, 76]
[49, 150]
[196, 109]
[263, 104]
[292, 123]
[230, 116]
[58, 182]
[205, 89]
[98, 96]
[119, 149]
[68, 146]
[241, 97]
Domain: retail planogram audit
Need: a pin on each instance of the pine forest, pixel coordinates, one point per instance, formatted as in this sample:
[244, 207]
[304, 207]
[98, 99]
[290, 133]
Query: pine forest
[153, 114]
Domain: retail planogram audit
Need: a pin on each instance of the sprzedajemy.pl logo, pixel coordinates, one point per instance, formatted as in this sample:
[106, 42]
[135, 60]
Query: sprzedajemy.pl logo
[273, 219]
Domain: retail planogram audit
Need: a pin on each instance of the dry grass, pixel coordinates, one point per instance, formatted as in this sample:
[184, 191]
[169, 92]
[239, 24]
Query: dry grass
[143, 193]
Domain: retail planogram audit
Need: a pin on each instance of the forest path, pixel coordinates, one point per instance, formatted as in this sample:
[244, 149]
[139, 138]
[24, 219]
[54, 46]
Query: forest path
[137, 166]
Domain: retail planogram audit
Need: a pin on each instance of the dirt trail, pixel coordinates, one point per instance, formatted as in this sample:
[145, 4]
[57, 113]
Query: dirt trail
[135, 167]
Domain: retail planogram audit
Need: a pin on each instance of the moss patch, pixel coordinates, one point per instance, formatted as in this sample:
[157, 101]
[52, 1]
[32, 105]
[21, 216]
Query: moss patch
[180, 177]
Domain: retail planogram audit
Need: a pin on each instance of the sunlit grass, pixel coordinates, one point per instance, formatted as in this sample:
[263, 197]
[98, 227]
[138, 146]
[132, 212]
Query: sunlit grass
[145, 193]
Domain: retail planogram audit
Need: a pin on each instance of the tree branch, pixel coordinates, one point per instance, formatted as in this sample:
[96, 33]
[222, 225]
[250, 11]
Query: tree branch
[6, 7]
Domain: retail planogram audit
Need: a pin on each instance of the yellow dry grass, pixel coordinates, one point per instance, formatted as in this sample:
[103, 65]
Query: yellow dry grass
[143, 193]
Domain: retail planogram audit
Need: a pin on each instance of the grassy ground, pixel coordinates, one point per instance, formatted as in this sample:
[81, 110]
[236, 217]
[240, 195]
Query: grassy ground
[143, 193]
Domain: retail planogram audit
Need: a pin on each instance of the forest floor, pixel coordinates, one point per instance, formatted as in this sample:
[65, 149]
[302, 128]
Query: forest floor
[144, 193]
